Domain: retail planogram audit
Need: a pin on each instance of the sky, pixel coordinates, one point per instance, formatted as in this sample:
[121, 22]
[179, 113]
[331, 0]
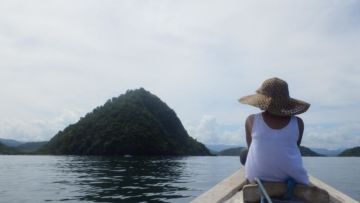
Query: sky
[60, 59]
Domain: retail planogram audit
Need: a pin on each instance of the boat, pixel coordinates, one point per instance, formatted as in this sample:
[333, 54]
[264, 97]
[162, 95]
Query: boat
[235, 189]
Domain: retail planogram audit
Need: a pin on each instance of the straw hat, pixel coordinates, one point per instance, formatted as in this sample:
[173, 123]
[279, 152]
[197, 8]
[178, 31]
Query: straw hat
[273, 96]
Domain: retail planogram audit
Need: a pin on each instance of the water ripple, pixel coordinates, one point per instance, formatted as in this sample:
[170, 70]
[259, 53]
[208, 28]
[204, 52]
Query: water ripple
[35, 179]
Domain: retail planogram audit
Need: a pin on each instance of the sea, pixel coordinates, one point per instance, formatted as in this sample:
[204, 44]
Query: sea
[36, 179]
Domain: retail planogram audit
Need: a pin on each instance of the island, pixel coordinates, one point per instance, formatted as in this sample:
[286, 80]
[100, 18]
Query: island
[4, 149]
[135, 123]
[355, 151]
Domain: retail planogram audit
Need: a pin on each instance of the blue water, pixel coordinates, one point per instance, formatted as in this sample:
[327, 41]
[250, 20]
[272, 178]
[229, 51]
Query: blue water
[140, 179]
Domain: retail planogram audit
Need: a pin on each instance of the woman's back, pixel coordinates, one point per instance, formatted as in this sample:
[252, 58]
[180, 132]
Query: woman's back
[273, 153]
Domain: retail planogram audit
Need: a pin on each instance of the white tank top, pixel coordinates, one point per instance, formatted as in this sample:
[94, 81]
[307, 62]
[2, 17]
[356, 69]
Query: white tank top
[273, 154]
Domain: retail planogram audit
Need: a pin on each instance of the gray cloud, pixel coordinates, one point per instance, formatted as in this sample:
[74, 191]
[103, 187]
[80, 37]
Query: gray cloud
[209, 131]
[36, 130]
[333, 137]
[199, 57]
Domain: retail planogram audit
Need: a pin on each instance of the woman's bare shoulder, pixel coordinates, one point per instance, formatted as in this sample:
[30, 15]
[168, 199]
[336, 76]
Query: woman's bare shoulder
[250, 117]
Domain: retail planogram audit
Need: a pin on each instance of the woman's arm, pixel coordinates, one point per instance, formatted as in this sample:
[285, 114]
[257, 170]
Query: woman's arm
[248, 127]
[301, 130]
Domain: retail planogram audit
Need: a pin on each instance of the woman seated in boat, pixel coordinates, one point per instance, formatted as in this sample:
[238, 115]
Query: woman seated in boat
[273, 136]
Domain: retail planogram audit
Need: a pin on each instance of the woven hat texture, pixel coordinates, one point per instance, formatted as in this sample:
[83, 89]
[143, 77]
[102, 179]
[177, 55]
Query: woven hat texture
[273, 96]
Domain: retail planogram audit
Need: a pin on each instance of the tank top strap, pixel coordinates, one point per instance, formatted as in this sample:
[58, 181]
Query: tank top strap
[257, 121]
[258, 125]
[294, 125]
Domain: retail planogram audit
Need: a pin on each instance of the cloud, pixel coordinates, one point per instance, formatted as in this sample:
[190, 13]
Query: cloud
[209, 131]
[332, 137]
[199, 57]
[36, 130]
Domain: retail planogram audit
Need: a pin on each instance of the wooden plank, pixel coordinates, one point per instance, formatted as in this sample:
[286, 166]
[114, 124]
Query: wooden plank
[335, 195]
[310, 194]
[224, 190]
[237, 198]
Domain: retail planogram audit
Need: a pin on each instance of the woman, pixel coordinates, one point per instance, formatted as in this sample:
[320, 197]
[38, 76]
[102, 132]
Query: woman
[273, 136]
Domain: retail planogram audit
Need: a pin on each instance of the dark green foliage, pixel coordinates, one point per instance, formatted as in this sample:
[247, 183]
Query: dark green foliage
[135, 123]
[308, 152]
[351, 152]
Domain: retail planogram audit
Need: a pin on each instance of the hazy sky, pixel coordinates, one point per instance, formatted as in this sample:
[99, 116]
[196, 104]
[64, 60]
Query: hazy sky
[60, 59]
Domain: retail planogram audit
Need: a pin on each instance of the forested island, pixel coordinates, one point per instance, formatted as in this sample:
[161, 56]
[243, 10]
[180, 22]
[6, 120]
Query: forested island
[135, 123]
[351, 152]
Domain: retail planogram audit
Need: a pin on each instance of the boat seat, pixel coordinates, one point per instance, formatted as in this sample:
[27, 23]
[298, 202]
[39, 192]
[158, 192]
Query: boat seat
[302, 193]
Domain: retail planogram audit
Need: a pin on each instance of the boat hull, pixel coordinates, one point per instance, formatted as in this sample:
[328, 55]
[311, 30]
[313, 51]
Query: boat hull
[230, 190]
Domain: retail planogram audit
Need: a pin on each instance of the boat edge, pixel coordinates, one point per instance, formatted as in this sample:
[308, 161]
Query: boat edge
[228, 187]
[223, 190]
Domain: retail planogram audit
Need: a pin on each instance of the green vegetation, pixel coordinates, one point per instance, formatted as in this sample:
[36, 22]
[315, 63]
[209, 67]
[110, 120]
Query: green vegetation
[351, 152]
[308, 152]
[135, 123]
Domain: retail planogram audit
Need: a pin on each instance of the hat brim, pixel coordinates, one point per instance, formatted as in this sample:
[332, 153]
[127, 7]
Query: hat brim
[285, 107]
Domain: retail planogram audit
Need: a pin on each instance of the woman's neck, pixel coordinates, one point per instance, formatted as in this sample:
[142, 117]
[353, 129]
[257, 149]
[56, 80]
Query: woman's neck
[274, 121]
[270, 115]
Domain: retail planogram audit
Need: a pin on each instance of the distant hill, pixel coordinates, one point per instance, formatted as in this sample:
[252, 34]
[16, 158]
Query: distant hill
[351, 152]
[4, 149]
[26, 148]
[327, 152]
[135, 123]
[305, 151]
[29, 147]
[231, 151]
[219, 147]
[10, 142]
[236, 152]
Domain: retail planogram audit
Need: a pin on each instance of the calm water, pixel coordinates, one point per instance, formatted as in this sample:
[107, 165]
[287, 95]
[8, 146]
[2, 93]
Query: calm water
[136, 179]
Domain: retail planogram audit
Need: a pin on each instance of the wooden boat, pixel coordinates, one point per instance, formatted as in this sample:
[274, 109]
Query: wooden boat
[232, 189]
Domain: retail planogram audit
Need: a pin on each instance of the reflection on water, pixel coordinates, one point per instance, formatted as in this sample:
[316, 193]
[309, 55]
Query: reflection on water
[109, 179]
[133, 179]
[36, 179]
